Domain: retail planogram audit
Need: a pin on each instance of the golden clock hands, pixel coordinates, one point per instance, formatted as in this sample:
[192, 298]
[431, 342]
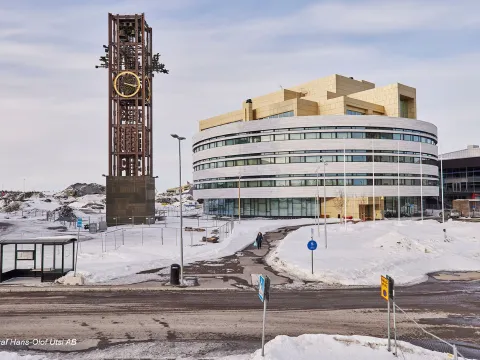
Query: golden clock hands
[132, 85]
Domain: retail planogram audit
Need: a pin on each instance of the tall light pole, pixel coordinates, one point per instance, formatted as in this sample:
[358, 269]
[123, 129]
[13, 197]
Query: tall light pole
[398, 180]
[324, 201]
[373, 182]
[180, 138]
[421, 182]
[317, 203]
[24, 186]
[239, 198]
[441, 179]
[345, 183]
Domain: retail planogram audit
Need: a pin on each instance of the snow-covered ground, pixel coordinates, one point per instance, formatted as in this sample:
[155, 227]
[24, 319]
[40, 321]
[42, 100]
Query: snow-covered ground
[406, 250]
[303, 347]
[115, 257]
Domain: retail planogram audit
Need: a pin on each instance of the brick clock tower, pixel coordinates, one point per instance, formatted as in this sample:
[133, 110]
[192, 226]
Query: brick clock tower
[131, 66]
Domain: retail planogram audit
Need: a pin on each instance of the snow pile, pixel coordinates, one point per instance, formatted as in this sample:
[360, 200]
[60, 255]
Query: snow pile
[96, 202]
[336, 347]
[405, 250]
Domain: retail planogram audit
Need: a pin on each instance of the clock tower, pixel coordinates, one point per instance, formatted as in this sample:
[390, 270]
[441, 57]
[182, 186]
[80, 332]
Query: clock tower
[131, 66]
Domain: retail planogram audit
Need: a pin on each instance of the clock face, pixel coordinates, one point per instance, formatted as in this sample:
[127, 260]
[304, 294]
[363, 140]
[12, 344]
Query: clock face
[127, 84]
[148, 89]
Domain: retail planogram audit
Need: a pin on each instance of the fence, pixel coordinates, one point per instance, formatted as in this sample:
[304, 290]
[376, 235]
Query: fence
[165, 235]
[409, 330]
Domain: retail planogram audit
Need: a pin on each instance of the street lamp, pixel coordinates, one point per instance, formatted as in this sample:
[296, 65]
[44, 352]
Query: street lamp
[180, 138]
[441, 179]
[239, 202]
[324, 201]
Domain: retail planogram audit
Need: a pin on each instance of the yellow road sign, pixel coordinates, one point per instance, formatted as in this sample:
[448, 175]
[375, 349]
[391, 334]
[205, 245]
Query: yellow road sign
[384, 287]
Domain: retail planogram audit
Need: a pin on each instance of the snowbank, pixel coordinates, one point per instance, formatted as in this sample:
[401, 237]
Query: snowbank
[336, 347]
[406, 250]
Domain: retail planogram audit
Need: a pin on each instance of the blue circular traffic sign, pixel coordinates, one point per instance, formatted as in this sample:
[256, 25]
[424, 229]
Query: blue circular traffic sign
[312, 245]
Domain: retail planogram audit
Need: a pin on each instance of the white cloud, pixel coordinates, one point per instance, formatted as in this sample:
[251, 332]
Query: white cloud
[54, 106]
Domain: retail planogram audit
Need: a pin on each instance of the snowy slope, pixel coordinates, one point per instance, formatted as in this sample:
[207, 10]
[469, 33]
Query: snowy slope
[407, 251]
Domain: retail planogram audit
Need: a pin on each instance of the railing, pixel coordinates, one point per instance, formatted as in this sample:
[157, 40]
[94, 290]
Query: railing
[167, 234]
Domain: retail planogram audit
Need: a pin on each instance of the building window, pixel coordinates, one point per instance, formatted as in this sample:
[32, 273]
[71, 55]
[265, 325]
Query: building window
[284, 114]
[352, 112]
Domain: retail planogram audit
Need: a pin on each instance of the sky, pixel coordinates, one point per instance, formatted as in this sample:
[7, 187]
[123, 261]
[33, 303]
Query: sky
[54, 125]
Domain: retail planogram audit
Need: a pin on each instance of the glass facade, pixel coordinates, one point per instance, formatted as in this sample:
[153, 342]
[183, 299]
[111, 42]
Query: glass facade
[299, 207]
[312, 182]
[461, 183]
[396, 134]
[314, 159]
[284, 114]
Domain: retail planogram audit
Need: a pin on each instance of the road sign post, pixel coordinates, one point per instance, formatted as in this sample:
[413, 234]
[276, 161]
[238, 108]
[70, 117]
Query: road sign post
[391, 295]
[387, 293]
[264, 295]
[79, 225]
[312, 245]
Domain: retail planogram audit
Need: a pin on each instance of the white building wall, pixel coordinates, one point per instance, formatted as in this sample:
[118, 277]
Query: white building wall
[241, 129]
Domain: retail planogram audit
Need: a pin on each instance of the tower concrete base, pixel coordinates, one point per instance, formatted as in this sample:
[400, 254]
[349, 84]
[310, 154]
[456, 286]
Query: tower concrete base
[130, 200]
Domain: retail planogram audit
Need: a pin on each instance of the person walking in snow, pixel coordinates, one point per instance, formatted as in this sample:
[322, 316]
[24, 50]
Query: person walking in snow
[259, 240]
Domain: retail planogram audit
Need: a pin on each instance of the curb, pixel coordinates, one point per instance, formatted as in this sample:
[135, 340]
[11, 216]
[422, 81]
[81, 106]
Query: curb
[109, 289]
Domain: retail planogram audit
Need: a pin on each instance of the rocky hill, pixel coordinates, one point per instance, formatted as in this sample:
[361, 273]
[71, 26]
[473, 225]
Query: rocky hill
[81, 189]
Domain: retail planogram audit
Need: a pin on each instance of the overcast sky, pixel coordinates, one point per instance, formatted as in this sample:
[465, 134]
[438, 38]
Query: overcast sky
[54, 102]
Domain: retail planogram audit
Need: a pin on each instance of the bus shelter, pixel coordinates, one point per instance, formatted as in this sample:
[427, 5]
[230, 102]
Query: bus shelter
[33, 257]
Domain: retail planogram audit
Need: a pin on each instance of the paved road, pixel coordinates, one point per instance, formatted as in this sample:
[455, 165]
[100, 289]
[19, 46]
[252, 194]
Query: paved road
[100, 319]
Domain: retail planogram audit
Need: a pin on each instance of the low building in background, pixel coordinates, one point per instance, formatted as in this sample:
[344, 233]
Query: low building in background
[461, 174]
[269, 154]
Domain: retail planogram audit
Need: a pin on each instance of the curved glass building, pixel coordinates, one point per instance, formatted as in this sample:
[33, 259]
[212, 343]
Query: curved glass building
[283, 153]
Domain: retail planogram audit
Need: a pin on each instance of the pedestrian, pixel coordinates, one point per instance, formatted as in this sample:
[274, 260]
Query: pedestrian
[259, 240]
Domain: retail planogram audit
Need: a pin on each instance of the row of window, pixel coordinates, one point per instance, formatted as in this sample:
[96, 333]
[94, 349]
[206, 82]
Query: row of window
[353, 112]
[313, 182]
[314, 128]
[314, 159]
[284, 114]
[314, 152]
[339, 175]
[299, 206]
[313, 136]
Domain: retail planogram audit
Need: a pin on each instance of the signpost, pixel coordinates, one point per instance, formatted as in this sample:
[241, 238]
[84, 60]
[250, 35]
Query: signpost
[387, 292]
[264, 295]
[79, 226]
[312, 245]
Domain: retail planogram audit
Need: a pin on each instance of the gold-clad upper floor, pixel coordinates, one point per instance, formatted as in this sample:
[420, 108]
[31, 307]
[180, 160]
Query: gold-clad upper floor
[332, 95]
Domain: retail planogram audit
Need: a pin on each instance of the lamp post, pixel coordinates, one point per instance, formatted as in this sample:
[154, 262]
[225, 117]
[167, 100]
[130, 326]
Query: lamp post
[180, 138]
[324, 201]
[441, 179]
[239, 201]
